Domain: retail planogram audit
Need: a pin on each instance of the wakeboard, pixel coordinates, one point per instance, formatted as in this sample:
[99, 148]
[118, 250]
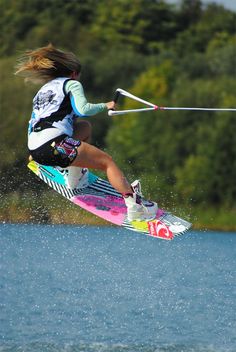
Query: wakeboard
[97, 196]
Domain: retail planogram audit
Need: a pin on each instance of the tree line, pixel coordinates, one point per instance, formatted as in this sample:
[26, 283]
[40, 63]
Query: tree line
[170, 55]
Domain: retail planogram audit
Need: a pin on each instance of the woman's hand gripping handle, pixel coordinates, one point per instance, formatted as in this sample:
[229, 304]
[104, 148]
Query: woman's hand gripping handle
[112, 104]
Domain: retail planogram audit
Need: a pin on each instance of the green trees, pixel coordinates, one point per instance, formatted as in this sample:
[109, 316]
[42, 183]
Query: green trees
[183, 56]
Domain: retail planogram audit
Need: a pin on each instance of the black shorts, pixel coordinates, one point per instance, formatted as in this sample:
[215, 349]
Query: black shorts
[60, 151]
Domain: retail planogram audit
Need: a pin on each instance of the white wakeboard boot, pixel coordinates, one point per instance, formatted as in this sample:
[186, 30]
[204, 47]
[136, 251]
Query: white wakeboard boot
[76, 177]
[138, 208]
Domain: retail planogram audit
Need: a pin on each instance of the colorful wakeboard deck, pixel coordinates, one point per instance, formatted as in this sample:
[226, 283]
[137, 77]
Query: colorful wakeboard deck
[97, 196]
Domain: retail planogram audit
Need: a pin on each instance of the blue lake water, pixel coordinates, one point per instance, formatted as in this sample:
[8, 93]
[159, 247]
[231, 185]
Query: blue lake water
[106, 289]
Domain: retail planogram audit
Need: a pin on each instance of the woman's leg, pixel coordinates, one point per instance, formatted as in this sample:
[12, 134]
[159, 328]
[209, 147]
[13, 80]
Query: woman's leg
[93, 158]
[82, 130]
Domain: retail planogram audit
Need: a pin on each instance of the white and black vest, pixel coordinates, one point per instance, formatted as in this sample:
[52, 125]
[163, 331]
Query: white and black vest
[52, 108]
[52, 114]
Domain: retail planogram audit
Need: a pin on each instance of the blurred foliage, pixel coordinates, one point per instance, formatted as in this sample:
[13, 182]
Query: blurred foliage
[171, 55]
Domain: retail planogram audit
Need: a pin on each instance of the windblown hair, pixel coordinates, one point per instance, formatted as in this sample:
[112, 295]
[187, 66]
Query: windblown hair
[46, 63]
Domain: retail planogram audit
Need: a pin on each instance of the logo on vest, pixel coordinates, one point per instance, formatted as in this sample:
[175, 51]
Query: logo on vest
[43, 99]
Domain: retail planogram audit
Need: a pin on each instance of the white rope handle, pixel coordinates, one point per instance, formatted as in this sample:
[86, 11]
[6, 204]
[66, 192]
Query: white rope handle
[156, 107]
[123, 112]
[134, 97]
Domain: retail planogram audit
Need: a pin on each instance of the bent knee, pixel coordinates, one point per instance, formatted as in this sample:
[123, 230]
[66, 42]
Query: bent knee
[107, 160]
[86, 125]
[103, 161]
[82, 126]
[82, 130]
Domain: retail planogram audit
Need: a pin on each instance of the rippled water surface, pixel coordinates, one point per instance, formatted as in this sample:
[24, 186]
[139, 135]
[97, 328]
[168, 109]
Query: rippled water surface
[106, 289]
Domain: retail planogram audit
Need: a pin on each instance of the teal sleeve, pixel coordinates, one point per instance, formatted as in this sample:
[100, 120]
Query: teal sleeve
[79, 103]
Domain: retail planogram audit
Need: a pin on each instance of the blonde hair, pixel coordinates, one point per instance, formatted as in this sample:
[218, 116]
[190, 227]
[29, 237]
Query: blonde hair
[44, 64]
